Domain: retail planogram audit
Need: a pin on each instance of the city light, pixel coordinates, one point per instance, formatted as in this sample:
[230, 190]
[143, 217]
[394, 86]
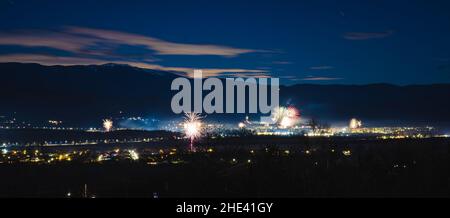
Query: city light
[100, 158]
[346, 152]
[133, 154]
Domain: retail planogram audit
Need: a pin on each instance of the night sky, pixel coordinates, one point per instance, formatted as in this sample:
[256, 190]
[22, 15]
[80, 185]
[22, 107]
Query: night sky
[344, 42]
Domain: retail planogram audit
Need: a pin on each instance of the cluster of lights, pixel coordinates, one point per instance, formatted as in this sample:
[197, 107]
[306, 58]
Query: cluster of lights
[346, 152]
[133, 154]
[54, 122]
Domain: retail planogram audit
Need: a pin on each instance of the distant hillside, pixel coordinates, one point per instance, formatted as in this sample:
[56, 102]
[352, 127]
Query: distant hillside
[82, 92]
[85, 93]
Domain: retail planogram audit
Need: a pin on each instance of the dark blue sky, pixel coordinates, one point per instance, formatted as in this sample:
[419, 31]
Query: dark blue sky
[349, 42]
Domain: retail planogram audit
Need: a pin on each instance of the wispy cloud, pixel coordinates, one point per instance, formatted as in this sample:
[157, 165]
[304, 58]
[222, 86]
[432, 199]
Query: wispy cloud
[321, 68]
[282, 62]
[367, 35]
[49, 59]
[81, 40]
[160, 46]
[49, 39]
[207, 72]
[309, 78]
[85, 46]
[318, 78]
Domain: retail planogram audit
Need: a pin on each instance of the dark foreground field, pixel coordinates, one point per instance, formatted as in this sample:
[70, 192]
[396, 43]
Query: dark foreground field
[326, 168]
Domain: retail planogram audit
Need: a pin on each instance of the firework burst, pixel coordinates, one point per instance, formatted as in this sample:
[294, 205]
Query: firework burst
[192, 126]
[286, 117]
[107, 125]
[355, 123]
